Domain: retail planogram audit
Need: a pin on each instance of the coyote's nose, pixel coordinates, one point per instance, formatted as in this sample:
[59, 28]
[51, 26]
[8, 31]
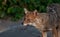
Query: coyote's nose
[22, 23]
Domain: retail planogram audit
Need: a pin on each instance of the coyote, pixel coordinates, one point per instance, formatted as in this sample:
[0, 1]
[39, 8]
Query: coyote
[40, 21]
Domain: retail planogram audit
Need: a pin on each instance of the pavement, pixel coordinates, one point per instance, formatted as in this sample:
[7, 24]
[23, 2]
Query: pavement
[16, 29]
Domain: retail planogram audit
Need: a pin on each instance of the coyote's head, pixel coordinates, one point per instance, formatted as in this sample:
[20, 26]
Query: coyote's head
[29, 17]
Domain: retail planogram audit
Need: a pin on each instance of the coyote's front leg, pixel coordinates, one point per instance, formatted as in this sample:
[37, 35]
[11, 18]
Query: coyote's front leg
[44, 34]
[58, 33]
[55, 32]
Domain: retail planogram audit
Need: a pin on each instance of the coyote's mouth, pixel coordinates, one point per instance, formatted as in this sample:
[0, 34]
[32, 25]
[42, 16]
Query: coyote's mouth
[33, 24]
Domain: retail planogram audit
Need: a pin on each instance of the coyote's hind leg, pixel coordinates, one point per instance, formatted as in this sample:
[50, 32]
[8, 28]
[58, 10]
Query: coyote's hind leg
[55, 32]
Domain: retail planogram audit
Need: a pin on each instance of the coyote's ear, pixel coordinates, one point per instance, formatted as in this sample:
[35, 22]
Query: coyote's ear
[35, 12]
[26, 11]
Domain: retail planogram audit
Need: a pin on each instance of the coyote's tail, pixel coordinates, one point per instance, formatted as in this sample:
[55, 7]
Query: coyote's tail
[52, 10]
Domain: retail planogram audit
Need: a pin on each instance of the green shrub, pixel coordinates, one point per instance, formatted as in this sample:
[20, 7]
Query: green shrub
[15, 8]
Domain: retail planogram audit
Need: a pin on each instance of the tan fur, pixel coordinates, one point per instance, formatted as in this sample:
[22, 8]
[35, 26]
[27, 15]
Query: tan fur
[40, 21]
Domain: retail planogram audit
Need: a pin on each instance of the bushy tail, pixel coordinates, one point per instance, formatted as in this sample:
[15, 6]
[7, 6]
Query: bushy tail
[54, 13]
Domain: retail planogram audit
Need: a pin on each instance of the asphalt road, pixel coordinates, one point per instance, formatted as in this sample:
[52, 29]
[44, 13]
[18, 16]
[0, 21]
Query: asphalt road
[30, 31]
[18, 30]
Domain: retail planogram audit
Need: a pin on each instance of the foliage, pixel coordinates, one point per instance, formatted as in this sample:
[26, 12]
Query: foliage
[15, 8]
